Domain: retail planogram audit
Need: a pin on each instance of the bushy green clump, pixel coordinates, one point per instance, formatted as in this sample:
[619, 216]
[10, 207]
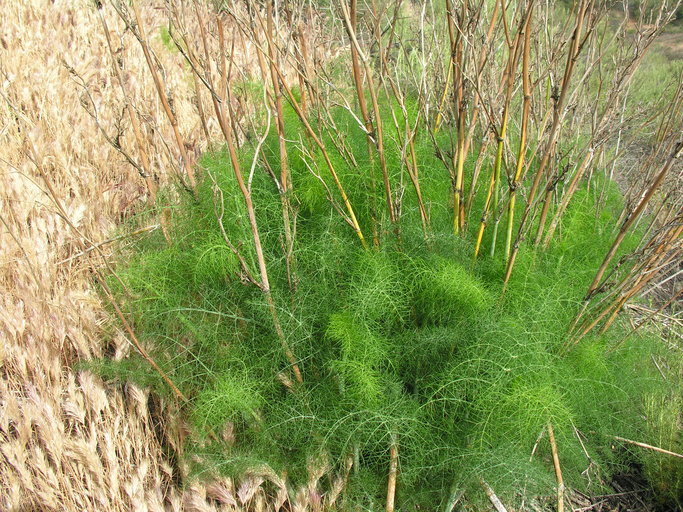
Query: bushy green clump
[230, 397]
[408, 343]
[447, 292]
[361, 357]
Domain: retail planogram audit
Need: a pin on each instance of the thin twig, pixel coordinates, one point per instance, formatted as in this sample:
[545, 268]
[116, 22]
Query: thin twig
[649, 447]
[495, 501]
[92, 247]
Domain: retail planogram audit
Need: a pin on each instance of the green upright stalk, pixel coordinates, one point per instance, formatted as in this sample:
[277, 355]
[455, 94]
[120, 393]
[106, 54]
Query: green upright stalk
[572, 55]
[457, 64]
[492, 196]
[521, 153]
[493, 184]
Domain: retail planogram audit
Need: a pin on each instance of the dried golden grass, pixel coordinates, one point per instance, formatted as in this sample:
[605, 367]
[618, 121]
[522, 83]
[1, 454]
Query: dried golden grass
[67, 441]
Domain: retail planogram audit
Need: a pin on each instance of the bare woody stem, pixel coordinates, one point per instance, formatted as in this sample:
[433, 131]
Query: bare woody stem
[675, 154]
[521, 153]
[136, 343]
[377, 131]
[218, 99]
[662, 255]
[457, 63]
[558, 469]
[572, 55]
[35, 158]
[132, 114]
[393, 473]
[410, 157]
[285, 187]
[363, 106]
[352, 220]
[606, 119]
[158, 83]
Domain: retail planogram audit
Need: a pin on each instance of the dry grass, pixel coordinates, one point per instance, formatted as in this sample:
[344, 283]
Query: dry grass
[67, 441]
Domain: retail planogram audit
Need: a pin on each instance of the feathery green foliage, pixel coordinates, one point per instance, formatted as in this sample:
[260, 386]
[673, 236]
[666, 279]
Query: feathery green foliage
[409, 341]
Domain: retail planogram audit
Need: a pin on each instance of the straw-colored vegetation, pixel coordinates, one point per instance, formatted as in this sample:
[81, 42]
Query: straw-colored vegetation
[68, 442]
[358, 255]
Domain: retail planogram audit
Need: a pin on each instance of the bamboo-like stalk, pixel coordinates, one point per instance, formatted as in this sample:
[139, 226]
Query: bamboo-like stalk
[301, 59]
[415, 180]
[491, 203]
[410, 157]
[599, 132]
[457, 64]
[572, 56]
[442, 99]
[566, 198]
[350, 26]
[251, 9]
[476, 110]
[481, 64]
[655, 247]
[352, 220]
[455, 496]
[521, 153]
[641, 281]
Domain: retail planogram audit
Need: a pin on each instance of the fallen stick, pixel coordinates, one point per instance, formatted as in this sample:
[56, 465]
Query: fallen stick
[497, 504]
[648, 446]
[393, 470]
[590, 507]
[558, 469]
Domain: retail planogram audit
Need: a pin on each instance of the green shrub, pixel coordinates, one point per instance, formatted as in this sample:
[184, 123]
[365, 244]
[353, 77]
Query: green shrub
[411, 342]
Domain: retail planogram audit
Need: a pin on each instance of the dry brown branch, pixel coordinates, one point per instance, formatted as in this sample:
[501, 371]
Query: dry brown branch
[558, 469]
[649, 447]
[493, 498]
[393, 473]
